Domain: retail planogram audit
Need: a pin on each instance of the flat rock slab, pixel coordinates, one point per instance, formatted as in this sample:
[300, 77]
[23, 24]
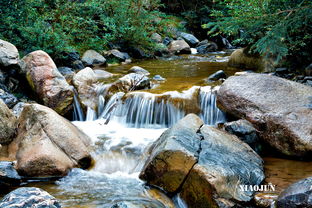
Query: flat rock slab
[281, 110]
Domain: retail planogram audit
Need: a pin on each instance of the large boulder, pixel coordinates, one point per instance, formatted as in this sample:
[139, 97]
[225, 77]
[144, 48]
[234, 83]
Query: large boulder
[7, 124]
[189, 38]
[29, 197]
[84, 82]
[8, 175]
[224, 166]
[8, 54]
[173, 155]
[241, 59]
[93, 58]
[179, 47]
[298, 195]
[47, 144]
[207, 166]
[280, 110]
[206, 47]
[47, 82]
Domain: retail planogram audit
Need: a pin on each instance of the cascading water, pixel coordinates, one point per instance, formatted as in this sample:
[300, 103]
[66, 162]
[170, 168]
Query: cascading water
[147, 110]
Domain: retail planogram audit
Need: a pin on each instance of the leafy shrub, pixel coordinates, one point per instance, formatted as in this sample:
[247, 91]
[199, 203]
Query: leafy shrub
[77, 25]
[275, 28]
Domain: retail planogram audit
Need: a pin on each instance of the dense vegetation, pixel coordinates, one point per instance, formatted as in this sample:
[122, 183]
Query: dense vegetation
[275, 28]
[77, 25]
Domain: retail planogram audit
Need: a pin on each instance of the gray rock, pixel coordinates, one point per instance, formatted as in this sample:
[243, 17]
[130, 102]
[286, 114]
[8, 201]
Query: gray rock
[279, 109]
[116, 55]
[134, 81]
[102, 74]
[68, 73]
[27, 197]
[245, 132]
[167, 41]
[92, 58]
[179, 47]
[207, 47]
[216, 76]
[9, 99]
[8, 124]
[156, 38]
[173, 155]
[18, 108]
[139, 70]
[158, 78]
[8, 54]
[8, 175]
[308, 70]
[225, 163]
[296, 195]
[189, 38]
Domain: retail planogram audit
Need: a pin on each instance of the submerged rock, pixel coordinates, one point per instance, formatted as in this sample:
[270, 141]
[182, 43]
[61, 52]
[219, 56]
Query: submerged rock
[8, 54]
[224, 165]
[139, 70]
[158, 78]
[29, 197]
[173, 155]
[93, 58]
[47, 82]
[8, 175]
[280, 110]
[7, 124]
[47, 144]
[296, 195]
[179, 47]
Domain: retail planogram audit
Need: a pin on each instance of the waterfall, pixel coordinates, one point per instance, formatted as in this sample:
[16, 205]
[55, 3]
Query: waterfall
[78, 114]
[147, 110]
[210, 113]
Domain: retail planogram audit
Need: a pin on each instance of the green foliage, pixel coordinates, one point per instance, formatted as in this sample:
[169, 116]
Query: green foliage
[67, 25]
[275, 28]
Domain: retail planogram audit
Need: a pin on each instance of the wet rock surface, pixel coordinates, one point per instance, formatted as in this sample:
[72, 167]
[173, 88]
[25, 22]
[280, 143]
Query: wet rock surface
[47, 82]
[48, 144]
[9, 99]
[8, 175]
[29, 197]
[244, 130]
[216, 76]
[280, 110]
[296, 195]
[139, 70]
[173, 155]
[206, 165]
[189, 38]
[225, 163]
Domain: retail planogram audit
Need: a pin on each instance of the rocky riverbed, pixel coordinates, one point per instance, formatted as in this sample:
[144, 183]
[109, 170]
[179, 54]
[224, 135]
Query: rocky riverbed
[178, 131]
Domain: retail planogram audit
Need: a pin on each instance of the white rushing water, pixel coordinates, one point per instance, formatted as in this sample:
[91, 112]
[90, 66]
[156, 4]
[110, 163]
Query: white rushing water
[122, 129]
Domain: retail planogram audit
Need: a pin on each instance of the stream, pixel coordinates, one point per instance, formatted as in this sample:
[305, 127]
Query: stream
[119, 147]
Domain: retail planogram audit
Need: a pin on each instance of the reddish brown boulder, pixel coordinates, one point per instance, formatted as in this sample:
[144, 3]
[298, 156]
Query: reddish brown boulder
[47, 82]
